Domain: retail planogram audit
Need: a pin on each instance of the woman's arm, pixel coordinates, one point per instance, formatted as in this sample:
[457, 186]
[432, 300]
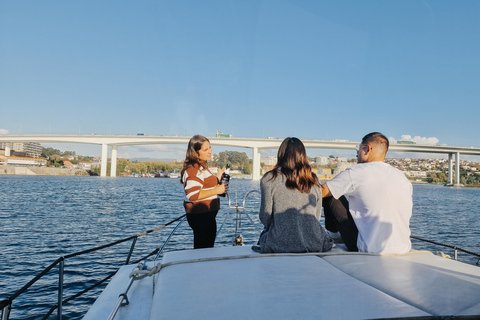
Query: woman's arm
[219, 189]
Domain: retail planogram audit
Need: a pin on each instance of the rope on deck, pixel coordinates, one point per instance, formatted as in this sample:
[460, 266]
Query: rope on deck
[147, 272]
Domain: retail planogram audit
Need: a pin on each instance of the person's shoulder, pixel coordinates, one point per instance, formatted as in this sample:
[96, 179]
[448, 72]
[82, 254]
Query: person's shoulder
[271, 178]
[193, 168]
[355, 167]
[365, 168]
[392, 168]
[317, 190]
[374, 165]
[266, 179]
[398, 172]
[395, 171]
[267, 176]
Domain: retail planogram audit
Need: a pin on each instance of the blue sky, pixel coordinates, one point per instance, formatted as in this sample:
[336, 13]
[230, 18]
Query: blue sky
[278, 68]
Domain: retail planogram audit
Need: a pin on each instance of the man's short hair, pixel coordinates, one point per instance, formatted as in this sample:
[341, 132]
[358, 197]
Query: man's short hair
[376, 138]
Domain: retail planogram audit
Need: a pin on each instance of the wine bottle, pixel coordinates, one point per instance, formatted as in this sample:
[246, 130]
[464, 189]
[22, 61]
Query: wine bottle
[225, 178]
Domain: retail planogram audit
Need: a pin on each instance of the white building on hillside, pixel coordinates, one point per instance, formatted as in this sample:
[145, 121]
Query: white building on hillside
[269, 161]
[85, 165]
[31, 149]
[22, 161]
[322, 160]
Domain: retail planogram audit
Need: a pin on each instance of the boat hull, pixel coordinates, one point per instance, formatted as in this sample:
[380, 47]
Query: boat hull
[237, 283]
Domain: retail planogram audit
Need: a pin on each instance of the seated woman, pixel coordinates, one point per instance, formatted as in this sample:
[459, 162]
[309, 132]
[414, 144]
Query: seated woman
[291, 204]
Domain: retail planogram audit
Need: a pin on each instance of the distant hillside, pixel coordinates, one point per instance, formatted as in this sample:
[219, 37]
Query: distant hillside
[166, 160]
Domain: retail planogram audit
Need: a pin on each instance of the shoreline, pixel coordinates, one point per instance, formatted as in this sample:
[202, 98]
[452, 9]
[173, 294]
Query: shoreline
[40, 171]
[6, 170]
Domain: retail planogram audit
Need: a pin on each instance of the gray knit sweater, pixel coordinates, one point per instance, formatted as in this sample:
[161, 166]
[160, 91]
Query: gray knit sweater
[291, 218]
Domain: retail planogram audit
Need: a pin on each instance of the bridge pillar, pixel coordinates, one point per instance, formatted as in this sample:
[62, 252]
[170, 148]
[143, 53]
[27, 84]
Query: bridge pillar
[7, 149]
[450, 168]
[113, 168]
[103, 168]
[457, 169]
[256, 164]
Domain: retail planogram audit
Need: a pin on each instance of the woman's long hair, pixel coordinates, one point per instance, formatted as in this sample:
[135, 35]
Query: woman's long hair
[194, 145]
[292, 162]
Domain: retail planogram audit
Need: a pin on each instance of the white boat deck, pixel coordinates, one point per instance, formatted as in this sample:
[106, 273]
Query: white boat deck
[237, 283]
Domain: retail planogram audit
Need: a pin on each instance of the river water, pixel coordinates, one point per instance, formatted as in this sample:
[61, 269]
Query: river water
[43, 218]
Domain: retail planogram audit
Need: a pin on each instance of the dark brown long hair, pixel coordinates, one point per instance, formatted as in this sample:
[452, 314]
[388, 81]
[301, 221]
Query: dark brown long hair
[194, 145]
[292, 162]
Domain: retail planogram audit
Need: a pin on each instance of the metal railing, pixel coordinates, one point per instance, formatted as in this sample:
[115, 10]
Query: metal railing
[6, 304]
[455, 248]
[237, 238]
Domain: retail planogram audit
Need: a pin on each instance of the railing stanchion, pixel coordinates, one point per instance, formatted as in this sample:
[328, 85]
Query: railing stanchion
[168, 239]
[6, 311]
[131, 250]
[456, 253]
[61, 268]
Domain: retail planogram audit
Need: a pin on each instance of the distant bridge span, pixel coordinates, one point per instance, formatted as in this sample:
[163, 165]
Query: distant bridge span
[253, 143]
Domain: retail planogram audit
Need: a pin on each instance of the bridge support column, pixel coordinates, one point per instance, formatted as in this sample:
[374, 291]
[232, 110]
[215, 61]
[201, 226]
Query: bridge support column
[256, 164]
[103, 168]
[7, 149]
[457, 169]
[450, 169]
[113, 168]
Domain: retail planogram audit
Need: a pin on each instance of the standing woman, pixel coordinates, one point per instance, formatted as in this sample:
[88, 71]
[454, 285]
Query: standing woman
[291, 204]
[201, 192]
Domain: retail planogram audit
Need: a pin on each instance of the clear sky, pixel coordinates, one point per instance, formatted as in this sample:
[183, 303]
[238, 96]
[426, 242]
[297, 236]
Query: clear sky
[251, 68]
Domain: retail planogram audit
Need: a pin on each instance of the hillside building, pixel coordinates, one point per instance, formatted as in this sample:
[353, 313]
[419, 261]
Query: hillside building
[269, 161]
[22, 161]
[23, 149]
[322, 160]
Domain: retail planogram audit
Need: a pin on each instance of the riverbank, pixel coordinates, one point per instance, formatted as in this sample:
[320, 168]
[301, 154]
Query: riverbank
[50, 171]
[41, 171]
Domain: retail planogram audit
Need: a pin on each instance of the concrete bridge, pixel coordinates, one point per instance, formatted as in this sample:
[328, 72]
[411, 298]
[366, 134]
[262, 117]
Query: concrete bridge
[253, 143]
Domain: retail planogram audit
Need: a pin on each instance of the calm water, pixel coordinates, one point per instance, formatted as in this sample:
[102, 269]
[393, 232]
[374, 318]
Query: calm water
[44, 218]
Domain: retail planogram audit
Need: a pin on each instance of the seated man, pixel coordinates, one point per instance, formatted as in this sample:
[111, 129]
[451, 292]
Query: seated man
[377, 215]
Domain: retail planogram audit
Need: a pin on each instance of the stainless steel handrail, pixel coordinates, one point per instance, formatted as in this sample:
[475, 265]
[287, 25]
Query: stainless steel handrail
[6, 304]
